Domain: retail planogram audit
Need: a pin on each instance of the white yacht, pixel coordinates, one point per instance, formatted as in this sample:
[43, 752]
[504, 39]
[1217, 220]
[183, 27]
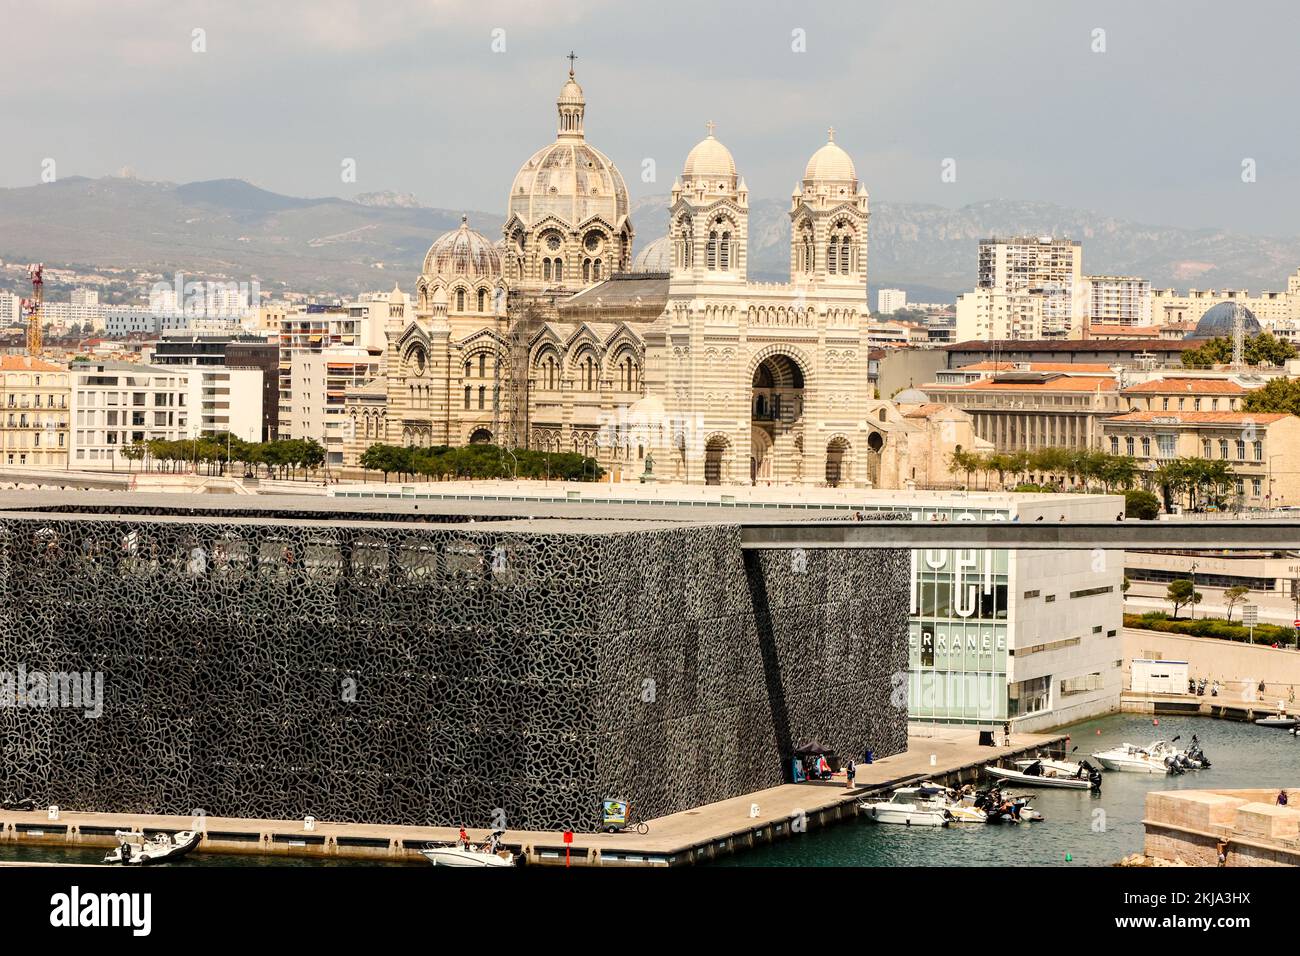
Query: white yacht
[961, 808]
[902, 808]
[1037, 773]
[1133, 759]
[462, 853]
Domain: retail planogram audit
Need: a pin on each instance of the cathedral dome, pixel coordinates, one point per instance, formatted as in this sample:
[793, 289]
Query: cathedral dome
[709, 159]
[656, 257]
[1217, 322]
[569, 179]
[830, 164]
[462, 252]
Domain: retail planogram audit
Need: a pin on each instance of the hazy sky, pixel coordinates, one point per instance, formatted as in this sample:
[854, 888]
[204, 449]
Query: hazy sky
[1154, 129]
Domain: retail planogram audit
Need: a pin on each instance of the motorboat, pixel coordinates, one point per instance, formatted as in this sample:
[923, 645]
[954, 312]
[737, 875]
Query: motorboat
[464, 853]
[1131, 759]
[1005, 808]
[1050, 773]
[134, 849]
[902, 808]
[960, 806]
[1193, 758]
[1280, 719]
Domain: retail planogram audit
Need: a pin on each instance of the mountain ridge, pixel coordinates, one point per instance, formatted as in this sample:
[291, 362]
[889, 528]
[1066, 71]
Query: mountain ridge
[330, 244]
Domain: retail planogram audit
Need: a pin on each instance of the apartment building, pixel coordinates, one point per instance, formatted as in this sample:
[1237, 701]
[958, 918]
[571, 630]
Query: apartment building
[1040, 266]
[994, 314]
[1118, 300]
[34, 413]
[115, 404]
[319, 382]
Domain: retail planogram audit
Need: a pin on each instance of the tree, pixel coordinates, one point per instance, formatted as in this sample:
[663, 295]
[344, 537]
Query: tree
[1257, 349]
[1123, 588]
[1233, 596]
[1140, 504]
[1281, 395]
[1181, 594]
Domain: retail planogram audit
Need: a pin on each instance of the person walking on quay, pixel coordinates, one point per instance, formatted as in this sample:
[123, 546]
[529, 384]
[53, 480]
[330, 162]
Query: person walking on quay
[850, 772]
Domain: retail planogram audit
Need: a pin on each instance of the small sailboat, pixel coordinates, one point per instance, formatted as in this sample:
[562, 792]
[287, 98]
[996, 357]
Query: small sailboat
[135, 850]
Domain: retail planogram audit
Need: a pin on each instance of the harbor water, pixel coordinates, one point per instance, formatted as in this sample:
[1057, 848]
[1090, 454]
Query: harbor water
[1081, 829]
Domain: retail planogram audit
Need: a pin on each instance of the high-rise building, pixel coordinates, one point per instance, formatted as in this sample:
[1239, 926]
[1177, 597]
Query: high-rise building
[1118, 300]
[889, 301]
[1043, 266]
[992, 314]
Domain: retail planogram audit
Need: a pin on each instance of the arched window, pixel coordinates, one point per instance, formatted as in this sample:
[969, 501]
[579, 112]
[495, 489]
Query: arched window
[559, 270]
[482, 364]
[711, 252]
[586, 270]
[832, 260]
[482, 395]
[546, 268]
[460, 300]
[595, 270]
[844, 255]
[724, 252]
[1259, 450]
[467, 368]
[467, 394]
[482, 300]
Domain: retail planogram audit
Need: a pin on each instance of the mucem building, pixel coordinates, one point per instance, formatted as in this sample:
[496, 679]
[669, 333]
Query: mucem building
[377, 664]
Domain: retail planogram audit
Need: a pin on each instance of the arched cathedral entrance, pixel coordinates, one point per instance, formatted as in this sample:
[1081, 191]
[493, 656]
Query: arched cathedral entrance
[776, 420]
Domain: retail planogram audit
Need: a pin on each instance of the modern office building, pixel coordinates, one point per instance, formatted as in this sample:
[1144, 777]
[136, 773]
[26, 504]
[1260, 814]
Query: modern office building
[231, 358]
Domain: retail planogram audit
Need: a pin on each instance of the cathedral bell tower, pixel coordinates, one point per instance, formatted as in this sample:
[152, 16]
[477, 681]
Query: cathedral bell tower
[709, 216]
[828, 214]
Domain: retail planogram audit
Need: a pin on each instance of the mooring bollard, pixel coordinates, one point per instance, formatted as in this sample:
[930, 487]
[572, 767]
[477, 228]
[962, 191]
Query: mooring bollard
[309, 823]
[54, 811]
[753, 811]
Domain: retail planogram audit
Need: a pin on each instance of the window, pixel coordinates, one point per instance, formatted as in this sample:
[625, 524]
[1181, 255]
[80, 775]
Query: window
[1241, 449]
[1165, 404]
[482, 300]
[1114, 444]
[1088, 592]
[467, 393]
[1223, 448]
[482, 365]
[1196, 404]
[1259, 450]
[1128, 445]
[1206, 448]
[1255, 487]
[482, 396]
[460, 300]
[1167, 445]
[1146, 447]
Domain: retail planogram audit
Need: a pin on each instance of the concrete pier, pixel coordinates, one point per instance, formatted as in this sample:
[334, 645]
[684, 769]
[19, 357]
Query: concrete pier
[692, 836]
[1222, 828]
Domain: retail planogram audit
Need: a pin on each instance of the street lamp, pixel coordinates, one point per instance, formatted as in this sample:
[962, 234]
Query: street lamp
[1194, 567]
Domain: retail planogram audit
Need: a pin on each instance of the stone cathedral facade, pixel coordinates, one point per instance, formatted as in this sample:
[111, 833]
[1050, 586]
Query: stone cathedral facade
[669, 363]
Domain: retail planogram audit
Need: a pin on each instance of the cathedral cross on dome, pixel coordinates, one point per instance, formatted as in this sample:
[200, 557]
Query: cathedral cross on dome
[710, 126]
[830, 134]
[571, 57]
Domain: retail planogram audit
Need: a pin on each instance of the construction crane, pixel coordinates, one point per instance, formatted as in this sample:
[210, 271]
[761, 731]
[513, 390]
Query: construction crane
[32, 308]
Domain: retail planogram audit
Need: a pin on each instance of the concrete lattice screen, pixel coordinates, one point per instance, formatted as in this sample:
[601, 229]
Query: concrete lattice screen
[415, 674]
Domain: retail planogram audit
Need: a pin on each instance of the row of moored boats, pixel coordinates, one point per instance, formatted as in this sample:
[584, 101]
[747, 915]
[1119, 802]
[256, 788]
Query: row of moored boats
[931, 805]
